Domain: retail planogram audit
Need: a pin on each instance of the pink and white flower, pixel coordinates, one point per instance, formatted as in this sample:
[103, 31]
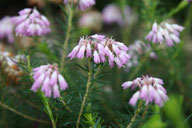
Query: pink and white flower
[150, 90]
[165, 32]
[101, 48]
[82, 4]
[31, 23]
[116, 52]
[6, 29]
[48, 78]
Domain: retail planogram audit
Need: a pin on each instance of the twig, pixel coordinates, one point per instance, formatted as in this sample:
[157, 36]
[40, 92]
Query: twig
[69, 25]
[98, 71]
[43, 98]
[181, 5]
[145, 112]
[135, 115]
[95, 75]
[65, 105]
[46, 104]
[86, 94]
[143, 115]
[23, 115]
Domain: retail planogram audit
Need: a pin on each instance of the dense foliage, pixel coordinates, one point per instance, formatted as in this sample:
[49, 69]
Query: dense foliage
[65, 64]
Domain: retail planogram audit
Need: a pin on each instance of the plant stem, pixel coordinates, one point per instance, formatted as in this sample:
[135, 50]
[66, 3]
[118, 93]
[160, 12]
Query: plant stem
[65, 105]
[96, 74]
[188, 20]
[143, 115]
[46, 104]
[98, 71]
[135, 115]
[28, 63]
[181, 5]
[69, 25]
[86, 94]
[23, 115]
[145, 112]
[43, 98]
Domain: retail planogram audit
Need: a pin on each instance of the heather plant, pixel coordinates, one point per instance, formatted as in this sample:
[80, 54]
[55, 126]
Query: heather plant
[96, 64]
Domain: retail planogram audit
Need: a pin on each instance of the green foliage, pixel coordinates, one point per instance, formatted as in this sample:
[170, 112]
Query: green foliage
[107, 103]
[43, 48]
[174, 111]
[92, 120]
[154, 122]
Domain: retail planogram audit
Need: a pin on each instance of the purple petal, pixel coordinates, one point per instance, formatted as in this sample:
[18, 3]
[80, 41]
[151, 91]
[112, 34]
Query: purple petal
[134, 98]
[62, 83]
[127, 84]
[155, 28]
[56, 92]
[36, 85]
[96, 57]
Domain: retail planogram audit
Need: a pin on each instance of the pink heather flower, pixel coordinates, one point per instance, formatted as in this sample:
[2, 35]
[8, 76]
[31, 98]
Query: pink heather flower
[79, 50]
[82, 4]
[31, 23]
[6, 29]
[99, 47]
[116, 52]
[49, 79]
[150, 90]
[98, 37]
[112, 14]
[165, 32]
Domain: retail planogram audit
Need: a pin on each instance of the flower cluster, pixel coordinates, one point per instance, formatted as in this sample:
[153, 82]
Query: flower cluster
[6, 29]
[10, 65]
[112, 14]
[99, 47]
[82, 4]
[165, 31]
[31, 23]
[137, 49]
[150, 89]
[48, 78]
